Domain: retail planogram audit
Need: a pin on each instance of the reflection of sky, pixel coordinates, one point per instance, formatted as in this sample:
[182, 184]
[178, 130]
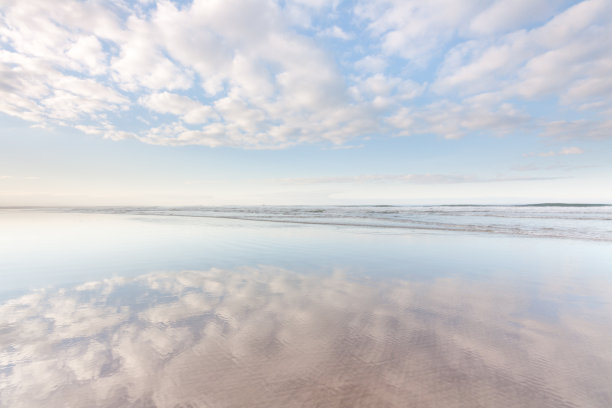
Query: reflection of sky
[268, 336]
[39, 250]
[345, 317]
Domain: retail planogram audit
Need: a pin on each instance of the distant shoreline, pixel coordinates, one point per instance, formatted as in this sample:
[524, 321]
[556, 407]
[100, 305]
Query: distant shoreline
[76, 207]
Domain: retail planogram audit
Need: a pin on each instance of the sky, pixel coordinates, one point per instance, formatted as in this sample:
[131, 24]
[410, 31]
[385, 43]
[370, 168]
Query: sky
[314, 102]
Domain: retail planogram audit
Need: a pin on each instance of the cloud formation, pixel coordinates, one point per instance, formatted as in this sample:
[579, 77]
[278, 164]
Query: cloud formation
[409, 179]
[271, 74]
[563, 152]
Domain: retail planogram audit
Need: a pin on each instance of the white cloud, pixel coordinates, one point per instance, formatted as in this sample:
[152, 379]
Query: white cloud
[87, 51]
[142, 62]
[335, 32]
[453, 120]
[525, 63]
[406, 179]
[571, 150]
[372, 64]
[503, 16]
[384, 93]
[191, 111]
[317, 4]
[576, 129]
[270, 87]
[563, 152]
[415, 30]
[73, 97]
[254, 74]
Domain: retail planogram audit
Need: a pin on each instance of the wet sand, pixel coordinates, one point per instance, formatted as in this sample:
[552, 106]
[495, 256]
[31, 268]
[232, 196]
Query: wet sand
[249, 314]
[269, 337]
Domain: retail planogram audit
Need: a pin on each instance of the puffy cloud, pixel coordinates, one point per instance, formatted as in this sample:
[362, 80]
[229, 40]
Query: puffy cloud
[143, 63]
[452, 120]
[415, 30]
[371, 63]
[501, 16]
[88, 52]
[191, 111]
[580, 128]
[525, 63]
[336, 32]
[259, 74]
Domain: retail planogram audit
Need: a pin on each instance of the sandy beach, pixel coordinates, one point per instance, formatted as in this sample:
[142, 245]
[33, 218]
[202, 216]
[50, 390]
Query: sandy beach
[393, 331]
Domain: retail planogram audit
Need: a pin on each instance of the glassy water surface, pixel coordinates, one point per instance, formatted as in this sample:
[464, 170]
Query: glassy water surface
[178, 308]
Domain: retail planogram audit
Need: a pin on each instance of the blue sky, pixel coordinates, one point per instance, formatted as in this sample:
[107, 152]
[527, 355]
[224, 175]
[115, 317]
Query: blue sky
[305, 102]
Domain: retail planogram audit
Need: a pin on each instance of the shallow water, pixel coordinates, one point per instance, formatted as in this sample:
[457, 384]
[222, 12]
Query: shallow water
[155, 310]
[575, 221]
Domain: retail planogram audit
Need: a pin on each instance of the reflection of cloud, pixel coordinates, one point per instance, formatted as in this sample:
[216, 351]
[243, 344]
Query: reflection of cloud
[270, 337]
[189, 305]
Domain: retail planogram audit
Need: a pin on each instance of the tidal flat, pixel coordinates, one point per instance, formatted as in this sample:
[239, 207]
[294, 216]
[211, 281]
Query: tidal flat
[114, 309]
